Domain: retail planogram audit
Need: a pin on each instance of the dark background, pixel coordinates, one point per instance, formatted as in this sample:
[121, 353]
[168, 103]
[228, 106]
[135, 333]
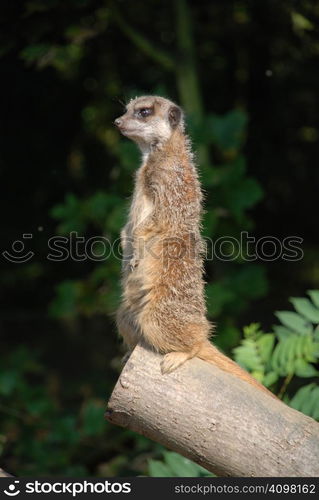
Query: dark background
[247, 75]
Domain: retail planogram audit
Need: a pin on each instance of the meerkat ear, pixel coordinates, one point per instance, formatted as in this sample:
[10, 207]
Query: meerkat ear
[174, 116]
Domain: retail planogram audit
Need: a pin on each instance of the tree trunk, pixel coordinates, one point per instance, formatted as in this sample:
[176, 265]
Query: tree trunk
[187, 78]
[213, 418]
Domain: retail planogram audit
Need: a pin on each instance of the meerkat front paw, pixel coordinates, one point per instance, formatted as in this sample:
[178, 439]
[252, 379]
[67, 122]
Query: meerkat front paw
[173, 360]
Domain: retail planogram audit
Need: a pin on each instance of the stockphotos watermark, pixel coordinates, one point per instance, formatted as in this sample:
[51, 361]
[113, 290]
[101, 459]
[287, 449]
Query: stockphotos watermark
[100, 248]
[71, 487]
[164, 487]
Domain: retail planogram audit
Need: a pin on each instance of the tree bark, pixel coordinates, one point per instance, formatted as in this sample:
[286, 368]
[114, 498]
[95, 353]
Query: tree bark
[215, 419]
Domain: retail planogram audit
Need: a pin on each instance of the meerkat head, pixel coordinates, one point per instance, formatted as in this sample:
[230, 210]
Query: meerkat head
[150, 121]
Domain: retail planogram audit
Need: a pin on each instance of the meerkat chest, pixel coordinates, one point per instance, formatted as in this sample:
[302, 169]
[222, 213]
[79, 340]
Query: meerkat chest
[141, 209]
[142, 206]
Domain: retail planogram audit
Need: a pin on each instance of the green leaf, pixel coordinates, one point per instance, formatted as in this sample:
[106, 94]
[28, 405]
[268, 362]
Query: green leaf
[252, 331]
[71, 214]
[228, 130]
[309, 349]
[270, 378]
[34, 52]
[175, 465]
[302, 394]
[294, 321]
[92, 418]
[244, 195]
[304, 307]
[304, 369]
[311, 403]
[300, 22]
[98, 205]
[249, 281]
[8, 381]
[282, 332]
[116, 218]
[39, 406]
[180, 466]
[314, 295]
[283, 357]
[275, 359]
[159, 469]
[65, 430]
[265, 345]
[298, 343]
[315, 351]
[247, 356]
[65, 302]
[306, 400]
[289, 355]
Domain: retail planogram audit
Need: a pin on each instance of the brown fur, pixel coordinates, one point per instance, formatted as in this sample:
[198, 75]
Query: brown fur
[163, 304]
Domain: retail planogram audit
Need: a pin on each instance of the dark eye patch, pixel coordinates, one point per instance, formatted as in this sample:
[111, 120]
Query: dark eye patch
[143, 112]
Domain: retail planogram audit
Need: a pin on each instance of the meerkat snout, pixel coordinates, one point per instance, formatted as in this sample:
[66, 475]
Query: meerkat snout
[117, 122]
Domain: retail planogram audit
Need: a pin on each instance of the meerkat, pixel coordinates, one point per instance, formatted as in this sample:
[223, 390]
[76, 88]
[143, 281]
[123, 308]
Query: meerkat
[163, 303]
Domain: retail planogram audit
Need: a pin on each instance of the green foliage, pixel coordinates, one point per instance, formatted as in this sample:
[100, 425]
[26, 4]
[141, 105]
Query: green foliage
[234, 191]
[34, 423]
[99, 209]
[48, 429]
[306, 400]
[292, 350]
[174, 465]
[64, 59]
[69, 80]
[228, 131]
[254, 353]
[231, 293]
[294, 355]
[65, 304]
[294, 322]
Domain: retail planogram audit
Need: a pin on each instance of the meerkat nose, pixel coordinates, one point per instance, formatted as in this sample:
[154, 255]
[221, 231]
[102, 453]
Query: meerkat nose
[118, 122]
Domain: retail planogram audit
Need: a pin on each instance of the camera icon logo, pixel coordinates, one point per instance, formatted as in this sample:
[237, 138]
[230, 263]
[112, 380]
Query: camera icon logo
[13, 491]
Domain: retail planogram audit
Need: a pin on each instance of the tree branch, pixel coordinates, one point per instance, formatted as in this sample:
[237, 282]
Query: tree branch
[143, 43]
[215, 419]
[186, 70]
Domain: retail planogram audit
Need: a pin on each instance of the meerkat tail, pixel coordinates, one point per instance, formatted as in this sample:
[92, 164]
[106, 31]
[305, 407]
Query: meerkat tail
[212, 355]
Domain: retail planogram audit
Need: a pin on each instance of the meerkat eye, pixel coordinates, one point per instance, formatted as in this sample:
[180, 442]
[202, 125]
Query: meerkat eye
[144, 112]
